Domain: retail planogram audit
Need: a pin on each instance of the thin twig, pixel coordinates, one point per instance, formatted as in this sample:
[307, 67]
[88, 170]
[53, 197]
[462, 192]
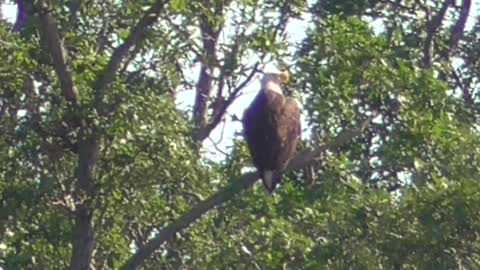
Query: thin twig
[215, 145]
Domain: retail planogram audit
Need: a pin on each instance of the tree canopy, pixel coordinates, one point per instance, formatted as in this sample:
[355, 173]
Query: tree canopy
[100, 168]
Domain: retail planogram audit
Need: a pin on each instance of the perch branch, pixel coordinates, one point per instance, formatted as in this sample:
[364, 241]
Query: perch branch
[245, 181]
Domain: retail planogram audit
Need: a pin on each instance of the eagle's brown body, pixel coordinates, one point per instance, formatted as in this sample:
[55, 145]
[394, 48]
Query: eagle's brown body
[272, 129]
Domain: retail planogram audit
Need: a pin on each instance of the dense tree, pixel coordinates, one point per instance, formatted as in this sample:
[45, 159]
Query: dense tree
[101, 169]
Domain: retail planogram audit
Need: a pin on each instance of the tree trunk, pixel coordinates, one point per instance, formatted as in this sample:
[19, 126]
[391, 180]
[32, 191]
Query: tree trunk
[83, 239]
[83, 234]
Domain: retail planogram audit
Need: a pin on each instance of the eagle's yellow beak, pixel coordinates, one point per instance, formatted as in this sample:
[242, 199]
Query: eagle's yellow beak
[284, 76]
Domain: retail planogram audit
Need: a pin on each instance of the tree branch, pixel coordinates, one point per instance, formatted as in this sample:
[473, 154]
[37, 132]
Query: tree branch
[210, 36]
[458, 28]
[48, 27]
[432, 28]
[137, 35]
[466, 93]
[245, 181]
[222, 109]
[456, 34]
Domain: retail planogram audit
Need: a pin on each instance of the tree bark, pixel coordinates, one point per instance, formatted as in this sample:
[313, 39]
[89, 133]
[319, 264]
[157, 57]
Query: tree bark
[57, 52]
[83, 233]
[459, 28]
[83, 239]
[205, 83]
[432, 28]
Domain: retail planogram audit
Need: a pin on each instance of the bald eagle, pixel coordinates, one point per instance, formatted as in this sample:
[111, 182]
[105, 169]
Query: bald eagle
[271, 126]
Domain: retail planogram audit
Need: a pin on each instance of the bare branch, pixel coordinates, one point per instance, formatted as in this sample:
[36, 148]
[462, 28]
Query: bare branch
[210, 37]
[457, 32]
[48, 27]
[222, 109]
[459, 27]
[137, 35]
[216, 144]
[432, 28]
[245, 181]
[466, 93]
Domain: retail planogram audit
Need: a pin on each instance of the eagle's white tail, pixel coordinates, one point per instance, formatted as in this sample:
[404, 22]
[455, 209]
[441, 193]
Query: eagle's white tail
[271, 179]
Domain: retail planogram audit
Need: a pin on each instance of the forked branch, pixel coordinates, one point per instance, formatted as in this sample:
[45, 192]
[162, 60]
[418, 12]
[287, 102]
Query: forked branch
[137, 35]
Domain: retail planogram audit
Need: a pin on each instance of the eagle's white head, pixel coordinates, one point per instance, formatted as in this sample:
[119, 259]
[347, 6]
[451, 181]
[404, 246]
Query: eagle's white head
[273, 81]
